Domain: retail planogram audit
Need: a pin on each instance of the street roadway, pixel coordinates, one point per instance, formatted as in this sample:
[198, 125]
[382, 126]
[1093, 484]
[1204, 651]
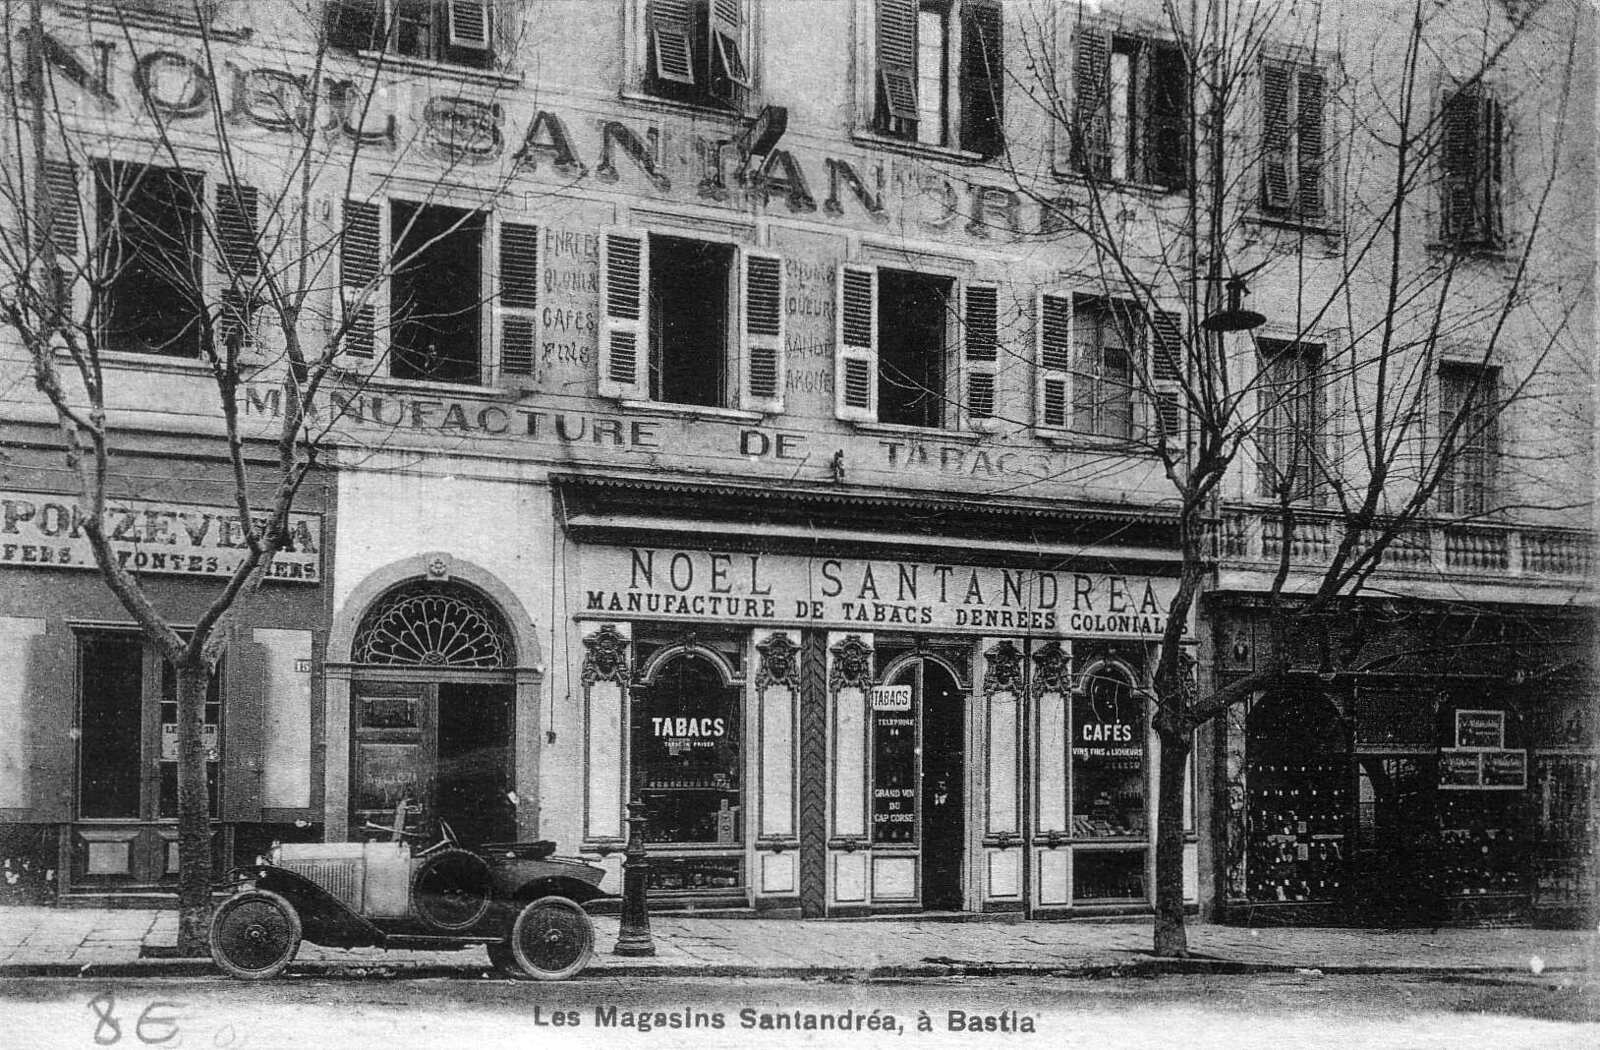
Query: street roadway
[381, 1010]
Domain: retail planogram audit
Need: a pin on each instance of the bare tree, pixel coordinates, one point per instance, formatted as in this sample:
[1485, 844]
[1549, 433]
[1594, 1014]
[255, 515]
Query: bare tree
[258, 280]
[1351, 169]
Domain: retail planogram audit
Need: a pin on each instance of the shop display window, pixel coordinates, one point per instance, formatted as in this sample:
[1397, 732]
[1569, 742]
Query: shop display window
[1108, 774]
[1298, 780]
[686, 754]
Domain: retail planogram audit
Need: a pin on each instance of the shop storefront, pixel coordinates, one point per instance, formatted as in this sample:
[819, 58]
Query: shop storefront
[1456, 786]
[88, 763]
[829, 733]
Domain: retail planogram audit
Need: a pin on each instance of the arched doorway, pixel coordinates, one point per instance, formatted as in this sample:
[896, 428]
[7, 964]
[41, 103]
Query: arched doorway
[433, 712]
[940, 705]
[1299, 800]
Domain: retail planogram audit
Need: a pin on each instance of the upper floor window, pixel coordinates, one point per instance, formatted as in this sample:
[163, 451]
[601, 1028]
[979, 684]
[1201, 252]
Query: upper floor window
[1469, 402]
[1292, 101]
[698, 51]
[460, 32]
[691, 322]
[1092, 352]
[1130, 109]
[940, 73]
[1290, 421]
[915, 349]
[1471, 164]
[150, 236]
[427, 288]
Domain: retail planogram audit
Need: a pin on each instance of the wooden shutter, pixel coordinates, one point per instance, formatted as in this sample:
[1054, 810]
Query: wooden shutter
[1471, 160]
[762, 323]
[672, 36]
[727, 40]
[1053, 361]
[51, 707]
[469, 24]
[980, 330]
[982, 79]
[243, 697]
[1166, 374]
[361, 249]
[625, 317]
[237, 266]
[897, 57]
[60, 217]
[1166, 125]
[855, 385]
[1275, 80]
[519, 298]
[1309, 95]
[1091, 99]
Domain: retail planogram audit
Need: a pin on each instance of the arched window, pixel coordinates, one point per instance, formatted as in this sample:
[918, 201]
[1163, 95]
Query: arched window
[686, 752]
[431, 624]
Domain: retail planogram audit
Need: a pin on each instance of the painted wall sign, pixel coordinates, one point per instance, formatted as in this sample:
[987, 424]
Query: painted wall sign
[45, 530]
[176, 86]
[675, 584]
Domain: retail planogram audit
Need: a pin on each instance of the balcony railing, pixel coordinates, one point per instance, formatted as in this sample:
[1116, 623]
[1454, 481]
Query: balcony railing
[1248, 537]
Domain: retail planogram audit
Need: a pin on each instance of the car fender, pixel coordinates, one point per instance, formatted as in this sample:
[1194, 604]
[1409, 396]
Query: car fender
[574, 889]
[324, 918]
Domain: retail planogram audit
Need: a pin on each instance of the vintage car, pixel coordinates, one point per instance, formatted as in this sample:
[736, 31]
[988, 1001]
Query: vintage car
[516, 898]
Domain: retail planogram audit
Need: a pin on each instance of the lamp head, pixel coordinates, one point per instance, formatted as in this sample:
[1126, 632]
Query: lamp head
[1235, 318]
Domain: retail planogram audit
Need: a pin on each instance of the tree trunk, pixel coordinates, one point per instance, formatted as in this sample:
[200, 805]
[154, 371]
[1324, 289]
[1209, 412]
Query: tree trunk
[194, 810]
[1171, 939]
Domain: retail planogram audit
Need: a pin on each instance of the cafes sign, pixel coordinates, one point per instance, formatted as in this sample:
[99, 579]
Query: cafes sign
[870, 594]
[46, 531]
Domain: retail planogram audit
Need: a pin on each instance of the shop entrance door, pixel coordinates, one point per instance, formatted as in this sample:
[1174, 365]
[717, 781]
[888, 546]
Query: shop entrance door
[445, 746]
[126, 830]
[943, 709]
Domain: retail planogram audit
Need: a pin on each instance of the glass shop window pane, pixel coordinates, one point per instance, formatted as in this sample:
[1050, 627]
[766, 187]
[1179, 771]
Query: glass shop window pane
[1108, 779]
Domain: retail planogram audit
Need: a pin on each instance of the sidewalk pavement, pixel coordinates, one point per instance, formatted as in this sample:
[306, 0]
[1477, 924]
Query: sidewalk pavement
[42, 941]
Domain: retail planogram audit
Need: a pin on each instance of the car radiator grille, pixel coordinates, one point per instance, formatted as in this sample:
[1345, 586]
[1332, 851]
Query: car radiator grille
[342, 878]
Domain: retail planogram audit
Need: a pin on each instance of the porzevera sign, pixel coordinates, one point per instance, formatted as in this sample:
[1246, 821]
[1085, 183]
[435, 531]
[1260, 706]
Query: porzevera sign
[45, 530]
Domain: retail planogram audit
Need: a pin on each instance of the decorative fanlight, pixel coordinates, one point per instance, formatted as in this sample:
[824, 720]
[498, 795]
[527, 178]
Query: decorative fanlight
[433, 625]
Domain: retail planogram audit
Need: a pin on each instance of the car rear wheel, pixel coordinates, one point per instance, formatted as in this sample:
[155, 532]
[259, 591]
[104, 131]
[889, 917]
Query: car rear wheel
[552, 939]
[254, 935]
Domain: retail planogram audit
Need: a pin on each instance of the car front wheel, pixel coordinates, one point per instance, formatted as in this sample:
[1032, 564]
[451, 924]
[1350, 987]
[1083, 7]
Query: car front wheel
[254, 935]
[552, 939]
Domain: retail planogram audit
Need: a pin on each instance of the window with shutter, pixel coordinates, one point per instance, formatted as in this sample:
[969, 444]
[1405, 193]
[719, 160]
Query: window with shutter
[1469, 430]
[897, 67]
[519, 299]
[60, 217]
[1167, 374]
[1471, 160]
[939, 73]
[980, 324]
[458, 32]
[698, 51]
[1053, 361]
[1130, 113]
[916, 380]
[1293, 140]
[856, 360]
[1107, 338]
[763, 381]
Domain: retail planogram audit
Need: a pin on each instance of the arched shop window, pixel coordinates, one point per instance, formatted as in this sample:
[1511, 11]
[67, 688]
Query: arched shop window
[1298, 787]
[687, 759]
[434, 625]
[1109, 807]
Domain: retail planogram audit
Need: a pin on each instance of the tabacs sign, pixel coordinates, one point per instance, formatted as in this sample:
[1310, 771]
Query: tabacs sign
[45, 530]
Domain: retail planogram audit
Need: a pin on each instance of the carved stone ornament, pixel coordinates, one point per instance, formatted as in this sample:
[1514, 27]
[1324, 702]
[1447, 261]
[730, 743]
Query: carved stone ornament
[605, 658]
[779, 663]
[852, 665]
[1002, 669]
[1052, 670]
[439, 567]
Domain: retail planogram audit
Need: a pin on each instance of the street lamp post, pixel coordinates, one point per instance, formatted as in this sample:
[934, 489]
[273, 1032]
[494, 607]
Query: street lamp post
[633, 933]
